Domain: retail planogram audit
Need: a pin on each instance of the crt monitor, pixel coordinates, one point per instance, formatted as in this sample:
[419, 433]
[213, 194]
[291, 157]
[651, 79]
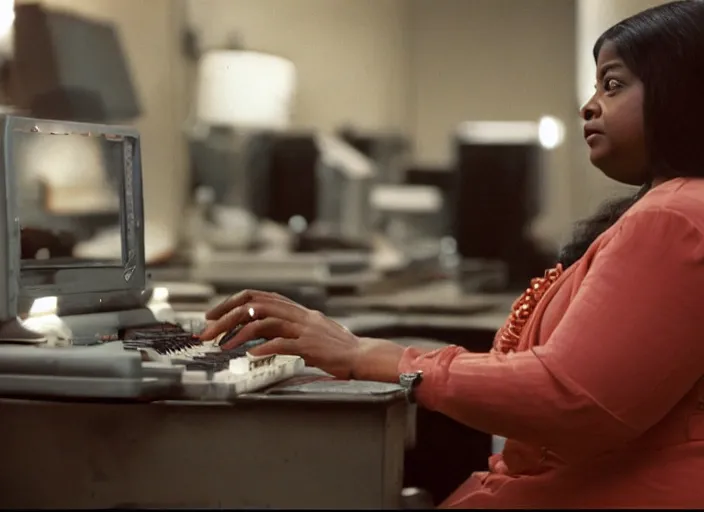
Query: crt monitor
[40, 224]
[498, 196]
[70, 67]
[290, 163]
[444, 180]
[496, 199]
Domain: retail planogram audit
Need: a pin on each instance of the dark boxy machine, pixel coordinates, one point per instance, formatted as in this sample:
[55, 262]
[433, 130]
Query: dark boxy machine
[120, 410]
[67, 66]
[497, 198]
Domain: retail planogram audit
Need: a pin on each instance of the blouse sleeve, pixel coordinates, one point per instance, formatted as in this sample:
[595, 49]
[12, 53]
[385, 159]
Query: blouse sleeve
[629, 347]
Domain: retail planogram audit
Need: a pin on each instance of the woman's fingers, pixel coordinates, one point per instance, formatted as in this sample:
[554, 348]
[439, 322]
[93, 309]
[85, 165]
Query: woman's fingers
[281, 346]
[268, 328]
[251, 311]
[242, 298]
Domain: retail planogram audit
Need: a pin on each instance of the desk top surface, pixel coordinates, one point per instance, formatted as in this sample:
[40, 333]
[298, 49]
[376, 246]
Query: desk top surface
[437, 297]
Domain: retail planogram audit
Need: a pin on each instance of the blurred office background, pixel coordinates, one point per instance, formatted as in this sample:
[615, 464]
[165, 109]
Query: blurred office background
[417, 69]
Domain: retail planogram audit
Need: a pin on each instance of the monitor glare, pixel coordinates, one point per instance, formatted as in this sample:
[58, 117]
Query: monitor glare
[63, 182]
[70, 67]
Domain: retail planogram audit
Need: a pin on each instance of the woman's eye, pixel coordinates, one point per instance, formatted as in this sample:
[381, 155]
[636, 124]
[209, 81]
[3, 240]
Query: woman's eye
[611, 84]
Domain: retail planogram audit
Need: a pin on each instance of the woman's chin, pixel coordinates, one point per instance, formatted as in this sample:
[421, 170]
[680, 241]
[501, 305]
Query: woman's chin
[601, 164]
[599, 155]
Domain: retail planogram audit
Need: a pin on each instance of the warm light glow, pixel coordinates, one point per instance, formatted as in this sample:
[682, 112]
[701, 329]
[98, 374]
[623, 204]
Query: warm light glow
[43, 306]
[160, 294]
[7, 19]
[7, 16]
[159, 305]
[551, 132]
[245, 90]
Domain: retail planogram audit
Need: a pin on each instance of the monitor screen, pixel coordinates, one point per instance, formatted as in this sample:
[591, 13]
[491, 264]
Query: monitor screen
[291, 165]
[68, 189]
[496, 197]
[64, 183]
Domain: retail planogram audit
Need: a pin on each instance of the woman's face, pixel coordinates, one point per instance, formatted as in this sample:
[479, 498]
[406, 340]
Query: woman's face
[614, 128]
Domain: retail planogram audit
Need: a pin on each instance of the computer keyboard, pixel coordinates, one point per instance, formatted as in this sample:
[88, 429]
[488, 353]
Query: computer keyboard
[169, 343]
[209, 371]
[160, 361]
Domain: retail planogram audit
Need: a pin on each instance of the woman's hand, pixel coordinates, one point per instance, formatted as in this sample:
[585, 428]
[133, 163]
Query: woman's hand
[295, 330]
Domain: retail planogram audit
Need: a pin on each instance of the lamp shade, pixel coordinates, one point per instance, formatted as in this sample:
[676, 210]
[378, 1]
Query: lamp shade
[244, 89]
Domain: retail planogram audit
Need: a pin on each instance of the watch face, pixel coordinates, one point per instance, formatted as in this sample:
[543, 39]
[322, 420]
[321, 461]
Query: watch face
[409, 379]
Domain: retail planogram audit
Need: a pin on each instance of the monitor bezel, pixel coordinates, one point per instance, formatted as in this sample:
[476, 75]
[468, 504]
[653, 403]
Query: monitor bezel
[92, 279]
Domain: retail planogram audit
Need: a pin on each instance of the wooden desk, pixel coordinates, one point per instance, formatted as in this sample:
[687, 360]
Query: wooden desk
[268, 451]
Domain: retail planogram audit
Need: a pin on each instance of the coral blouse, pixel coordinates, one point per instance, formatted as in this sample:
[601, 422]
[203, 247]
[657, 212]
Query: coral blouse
[602, 400]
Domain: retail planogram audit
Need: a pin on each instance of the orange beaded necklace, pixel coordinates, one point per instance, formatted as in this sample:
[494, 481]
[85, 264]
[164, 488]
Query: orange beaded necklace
[523, 307]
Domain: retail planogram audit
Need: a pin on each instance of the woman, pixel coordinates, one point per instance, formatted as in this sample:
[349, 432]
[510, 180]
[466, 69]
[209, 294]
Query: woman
[597, 378]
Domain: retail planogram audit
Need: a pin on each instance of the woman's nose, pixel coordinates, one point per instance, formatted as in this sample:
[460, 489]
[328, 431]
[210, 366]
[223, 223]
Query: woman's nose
[590, 110]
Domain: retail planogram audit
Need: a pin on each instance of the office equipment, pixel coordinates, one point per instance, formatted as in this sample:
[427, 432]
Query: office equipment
[97, 311]
[388, 151]
[322, 184]
[318, 185]
[443, 179]
[498, 196]
[407, 220]
[242, 96]
[227, 190]
[289, 161]
[69, 67]
[412, 213]
[345, 179]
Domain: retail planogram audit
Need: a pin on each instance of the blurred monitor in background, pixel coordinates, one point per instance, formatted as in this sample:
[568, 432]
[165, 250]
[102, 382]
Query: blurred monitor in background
[443, 179]
[69, 67]
[499, 196]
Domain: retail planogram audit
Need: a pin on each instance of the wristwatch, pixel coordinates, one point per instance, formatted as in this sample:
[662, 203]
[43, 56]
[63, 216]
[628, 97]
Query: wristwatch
[409, 381]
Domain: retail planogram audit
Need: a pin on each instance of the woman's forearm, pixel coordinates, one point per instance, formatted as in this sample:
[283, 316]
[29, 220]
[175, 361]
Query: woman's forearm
[377, 360]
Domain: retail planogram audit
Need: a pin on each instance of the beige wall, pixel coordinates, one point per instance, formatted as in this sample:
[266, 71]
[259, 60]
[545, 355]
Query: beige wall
[488, 60]
[503, 60]
[351, 55]
[149, 31]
